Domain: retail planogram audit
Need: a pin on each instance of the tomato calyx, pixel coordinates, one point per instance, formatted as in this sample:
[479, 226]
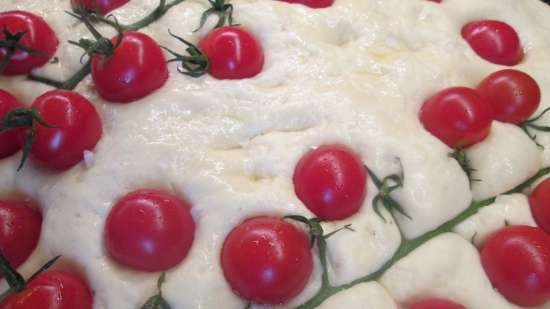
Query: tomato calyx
[220, 8]
[15, 280]
[196, 64]
[101, 45]
[316, 229]
[157, 301]
[460, 156]
[383, 198]
[24, 118]
[12, 45]
[319, 238]
[531, 125]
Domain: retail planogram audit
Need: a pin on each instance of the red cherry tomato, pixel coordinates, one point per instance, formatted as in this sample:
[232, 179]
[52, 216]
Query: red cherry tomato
[103, 7]
[331, 182]
[149, 230]
[267, 260]
[9, 140]
[7, 303]
[233, 53]
[494, 41]
[540, 204]
[76, 127]
[437, 303]
[52, 290]
[20, 226]
[513, 95]
[134, 70]
[38, 36]
[315, 4]
[517, 261]
[458, 116]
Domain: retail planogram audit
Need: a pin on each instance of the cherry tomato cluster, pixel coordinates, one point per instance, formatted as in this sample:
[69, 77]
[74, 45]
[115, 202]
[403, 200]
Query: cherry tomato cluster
[461, 117]
[20, 227]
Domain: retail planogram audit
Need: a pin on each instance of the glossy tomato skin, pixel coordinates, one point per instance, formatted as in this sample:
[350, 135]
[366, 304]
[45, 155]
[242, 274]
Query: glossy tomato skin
[76, 127]
[494, 41]
[9, 140]
[331, 182]
[457, 116]
[517, 261]
[53, 290]
[314, 4]
[267, 260]
[539, 200]
[135, 69]
[514, 95]
[233, 53]
[38, 36]
[436, 303]
[20, 226]
[103, 7]
[149, 230]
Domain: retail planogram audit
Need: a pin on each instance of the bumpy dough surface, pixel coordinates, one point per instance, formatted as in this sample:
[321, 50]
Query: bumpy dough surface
[356, 73]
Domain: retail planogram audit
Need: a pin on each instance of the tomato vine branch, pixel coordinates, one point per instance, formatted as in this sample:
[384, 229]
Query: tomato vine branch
[407, 245]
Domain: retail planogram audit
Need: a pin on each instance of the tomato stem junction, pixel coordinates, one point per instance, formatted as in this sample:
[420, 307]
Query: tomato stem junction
[11, 44]
[195, 64]
[73, 81]
[531, 125]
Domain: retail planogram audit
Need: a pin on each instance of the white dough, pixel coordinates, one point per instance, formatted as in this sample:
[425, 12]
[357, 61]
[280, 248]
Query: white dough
[357, 74]
[506, 158]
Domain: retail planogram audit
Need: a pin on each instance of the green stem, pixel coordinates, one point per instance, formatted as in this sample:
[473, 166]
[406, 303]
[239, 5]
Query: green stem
[70, 83]
[409, 245]
[153, 16]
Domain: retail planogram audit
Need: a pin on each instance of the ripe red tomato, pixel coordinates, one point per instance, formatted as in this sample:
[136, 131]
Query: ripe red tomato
[52, 290]
[76, 127]
[517, 261]
[267, 260]
[149, 230]
[331, 182]
[539, 200]
[436, 303]
[38, 36]
[20, 226]
[458, 116]
[9, 140]
[494, 41]
[233, 53]
[315, 4]
[103, 7]
[134, 70]
[513, 95]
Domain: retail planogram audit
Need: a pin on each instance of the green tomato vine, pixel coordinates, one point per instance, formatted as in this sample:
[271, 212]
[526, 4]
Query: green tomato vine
[407, 245]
